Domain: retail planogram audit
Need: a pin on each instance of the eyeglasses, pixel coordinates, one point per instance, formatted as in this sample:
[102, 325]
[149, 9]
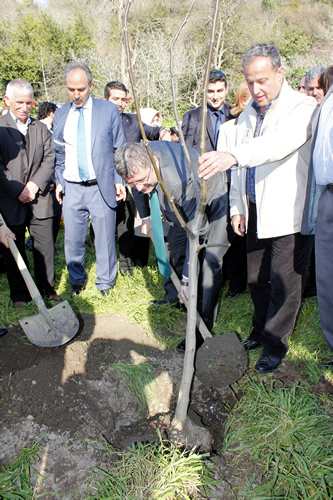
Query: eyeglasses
[142, 181]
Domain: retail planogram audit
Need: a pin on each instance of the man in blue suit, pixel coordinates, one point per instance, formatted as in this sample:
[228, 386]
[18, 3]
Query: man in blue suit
[86, 133]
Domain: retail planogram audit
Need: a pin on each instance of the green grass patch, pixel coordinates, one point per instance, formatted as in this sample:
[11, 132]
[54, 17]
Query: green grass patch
[287, 432]
[157, 470]
[15, 478]
[140, 380]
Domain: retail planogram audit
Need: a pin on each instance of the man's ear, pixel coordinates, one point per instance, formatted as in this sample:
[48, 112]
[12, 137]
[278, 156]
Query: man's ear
[281, 72]
[129, 100]
[6, 101]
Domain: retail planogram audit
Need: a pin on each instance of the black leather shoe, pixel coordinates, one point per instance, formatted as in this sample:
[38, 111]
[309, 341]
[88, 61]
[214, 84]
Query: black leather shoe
[250, 344]
[234, 293]
[76, 289]
[182, 346]
[270, 358]
[105, 292]
[3, 332]
[164, 302]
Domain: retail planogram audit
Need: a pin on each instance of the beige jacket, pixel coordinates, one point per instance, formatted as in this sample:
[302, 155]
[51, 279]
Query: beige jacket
[281, 154]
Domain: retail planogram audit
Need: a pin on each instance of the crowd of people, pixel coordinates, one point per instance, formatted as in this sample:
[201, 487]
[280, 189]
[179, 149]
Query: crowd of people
[269, 171]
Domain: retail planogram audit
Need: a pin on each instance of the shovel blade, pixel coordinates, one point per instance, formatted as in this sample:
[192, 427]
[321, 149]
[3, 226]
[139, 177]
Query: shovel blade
[39, 332]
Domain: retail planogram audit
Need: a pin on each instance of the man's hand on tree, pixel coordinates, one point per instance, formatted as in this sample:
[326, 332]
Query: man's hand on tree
[213, 162]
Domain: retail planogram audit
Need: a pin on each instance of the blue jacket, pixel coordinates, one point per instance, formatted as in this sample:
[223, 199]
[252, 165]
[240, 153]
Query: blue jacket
[107, 135]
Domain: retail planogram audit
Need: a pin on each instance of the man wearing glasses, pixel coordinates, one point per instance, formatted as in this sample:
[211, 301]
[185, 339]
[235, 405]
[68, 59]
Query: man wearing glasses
[218, 112]
[133, 164]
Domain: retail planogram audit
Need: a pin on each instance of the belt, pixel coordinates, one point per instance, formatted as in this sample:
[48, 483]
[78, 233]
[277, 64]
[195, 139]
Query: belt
[330, 187]
[93, 182]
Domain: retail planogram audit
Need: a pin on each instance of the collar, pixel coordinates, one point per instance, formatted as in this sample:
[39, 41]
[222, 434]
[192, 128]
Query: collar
[19, 124]
[256, 106]
[88, 105]
[212, 110]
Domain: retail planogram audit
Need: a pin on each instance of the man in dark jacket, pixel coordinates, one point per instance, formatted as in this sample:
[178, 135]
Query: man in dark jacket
[218, 112]
[132, 248]
[26, 172]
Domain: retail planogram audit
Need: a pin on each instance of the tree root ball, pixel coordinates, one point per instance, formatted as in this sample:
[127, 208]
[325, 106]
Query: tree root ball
[221, 361]
[190, 435]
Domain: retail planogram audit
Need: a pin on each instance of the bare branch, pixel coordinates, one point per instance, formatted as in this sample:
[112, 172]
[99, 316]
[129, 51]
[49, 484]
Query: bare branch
[174, 98]
[145, 140]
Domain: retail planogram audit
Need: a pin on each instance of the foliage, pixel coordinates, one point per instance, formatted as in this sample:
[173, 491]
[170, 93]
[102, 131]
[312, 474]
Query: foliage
[286, 431]
[38, 47]
[295, 42]
[157, 470]
[36, 43]
[15, 478]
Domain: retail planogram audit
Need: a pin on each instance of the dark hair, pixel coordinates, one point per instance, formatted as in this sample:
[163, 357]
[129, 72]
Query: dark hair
[130, 157]
[81, 65]
[173, 130]
[45, 109]
[217, 76]
[263, 50]
[326, 78]
[113, 85]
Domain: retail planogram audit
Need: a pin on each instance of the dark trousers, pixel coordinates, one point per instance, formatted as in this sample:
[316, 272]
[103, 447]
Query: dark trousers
[133, 250]
[210, 275]
[276, 275]
[324, 264]
[43, 256]
[176, 249]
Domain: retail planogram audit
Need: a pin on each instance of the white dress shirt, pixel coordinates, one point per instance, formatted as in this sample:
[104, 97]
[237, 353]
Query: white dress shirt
[71, 172]
[23, 127]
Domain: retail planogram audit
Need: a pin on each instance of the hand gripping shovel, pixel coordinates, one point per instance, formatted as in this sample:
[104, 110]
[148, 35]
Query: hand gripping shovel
[51, 327]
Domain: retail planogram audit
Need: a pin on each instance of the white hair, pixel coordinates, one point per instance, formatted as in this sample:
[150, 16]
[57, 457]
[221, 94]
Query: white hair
[20, 85]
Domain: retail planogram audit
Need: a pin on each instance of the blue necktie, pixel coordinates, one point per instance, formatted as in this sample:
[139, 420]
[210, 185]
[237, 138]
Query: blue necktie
[217, 127]
[156, 222]
[82, 160]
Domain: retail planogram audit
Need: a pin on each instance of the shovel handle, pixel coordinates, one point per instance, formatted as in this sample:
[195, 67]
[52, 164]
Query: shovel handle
[33, 290]
[175, 280]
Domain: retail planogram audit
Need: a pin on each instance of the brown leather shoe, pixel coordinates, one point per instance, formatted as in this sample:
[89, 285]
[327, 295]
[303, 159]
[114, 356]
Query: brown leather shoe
[54, 297]
[18, 304]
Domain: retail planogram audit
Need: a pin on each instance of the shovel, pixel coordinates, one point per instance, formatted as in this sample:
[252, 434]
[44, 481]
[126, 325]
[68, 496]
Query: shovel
[51, 327]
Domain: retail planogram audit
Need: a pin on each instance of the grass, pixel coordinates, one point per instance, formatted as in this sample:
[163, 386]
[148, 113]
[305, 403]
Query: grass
[288, 432]
[140, 380]
[157, 470]
[15, 479]
[285, 430]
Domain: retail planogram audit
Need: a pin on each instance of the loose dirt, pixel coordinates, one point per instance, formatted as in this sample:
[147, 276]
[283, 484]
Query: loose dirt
[74, 398]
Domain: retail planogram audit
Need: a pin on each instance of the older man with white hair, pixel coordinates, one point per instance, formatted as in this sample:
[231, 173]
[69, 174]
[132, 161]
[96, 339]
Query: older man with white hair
[26, 172]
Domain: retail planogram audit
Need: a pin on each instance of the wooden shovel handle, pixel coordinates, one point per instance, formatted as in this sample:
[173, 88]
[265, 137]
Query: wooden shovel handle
[33, 290]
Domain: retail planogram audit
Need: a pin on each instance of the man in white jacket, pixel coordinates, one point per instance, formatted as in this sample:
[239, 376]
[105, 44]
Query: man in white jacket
[270, 158]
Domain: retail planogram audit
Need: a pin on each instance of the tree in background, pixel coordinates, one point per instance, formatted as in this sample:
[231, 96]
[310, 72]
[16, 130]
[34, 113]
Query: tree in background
[36, 43]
